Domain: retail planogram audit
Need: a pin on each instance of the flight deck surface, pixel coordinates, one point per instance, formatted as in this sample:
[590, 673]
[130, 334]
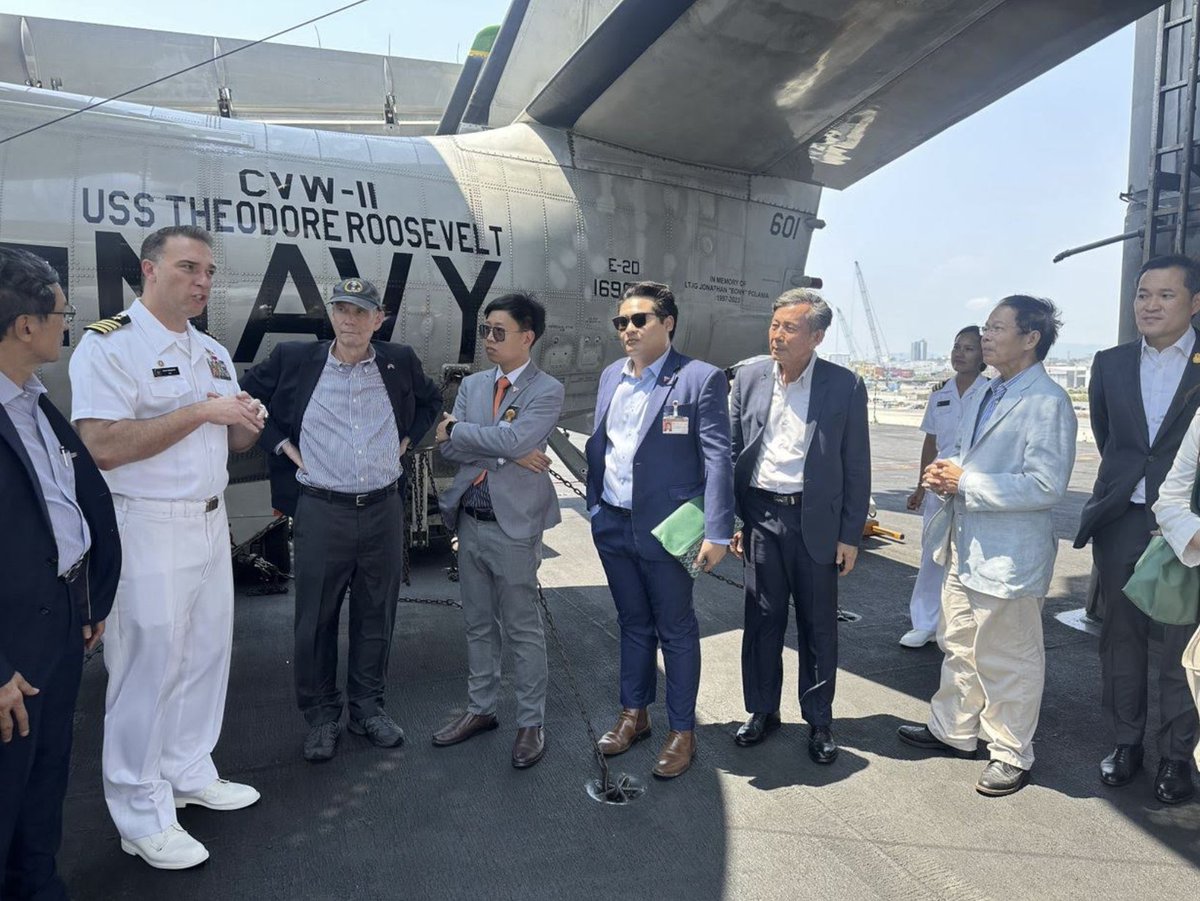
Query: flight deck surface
[756, 823]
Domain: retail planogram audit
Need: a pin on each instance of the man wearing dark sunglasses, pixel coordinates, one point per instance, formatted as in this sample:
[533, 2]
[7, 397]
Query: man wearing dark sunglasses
[500, 502]
[661, 438]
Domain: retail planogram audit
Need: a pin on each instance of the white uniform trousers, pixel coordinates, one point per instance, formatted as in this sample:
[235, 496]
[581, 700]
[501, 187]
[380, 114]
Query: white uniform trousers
[992, 674]
[925, 605]
[167, 647]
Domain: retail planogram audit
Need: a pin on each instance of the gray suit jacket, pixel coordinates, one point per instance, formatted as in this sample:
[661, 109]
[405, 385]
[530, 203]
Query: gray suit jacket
[524, 502]
[1016, 471]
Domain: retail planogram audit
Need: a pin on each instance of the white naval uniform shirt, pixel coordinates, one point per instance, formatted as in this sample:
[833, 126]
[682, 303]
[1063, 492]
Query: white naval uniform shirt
[943, 414]
[113, 378]
[1161, 372]
[786, 439]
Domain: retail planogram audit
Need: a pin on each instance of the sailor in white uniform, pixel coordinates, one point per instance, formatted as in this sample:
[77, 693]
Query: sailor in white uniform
[940, 425]
[157, 403]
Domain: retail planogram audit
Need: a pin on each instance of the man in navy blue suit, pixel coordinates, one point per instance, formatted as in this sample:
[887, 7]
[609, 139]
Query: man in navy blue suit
[61, 558]
[661, 438]
[802, 479]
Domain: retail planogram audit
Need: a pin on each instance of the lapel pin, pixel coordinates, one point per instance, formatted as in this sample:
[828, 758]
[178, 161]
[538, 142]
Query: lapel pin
[391, 366]
[1196, 358]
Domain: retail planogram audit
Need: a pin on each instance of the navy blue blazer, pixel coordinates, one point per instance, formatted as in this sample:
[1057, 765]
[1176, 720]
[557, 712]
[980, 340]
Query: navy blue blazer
[671, 469]
[35, 626]
[837, 473]
[285, 382]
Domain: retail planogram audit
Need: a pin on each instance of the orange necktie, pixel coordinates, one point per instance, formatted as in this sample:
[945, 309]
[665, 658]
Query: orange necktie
[501, 386]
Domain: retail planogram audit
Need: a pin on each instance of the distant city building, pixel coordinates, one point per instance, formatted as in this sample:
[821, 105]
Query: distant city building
[839, 359]
[920, 351]
[1069, 375]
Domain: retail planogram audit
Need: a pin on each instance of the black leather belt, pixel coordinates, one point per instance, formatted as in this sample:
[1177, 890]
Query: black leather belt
[75, 571]
[620, 511]
[786, 500]
[352, 500]
[481, 515]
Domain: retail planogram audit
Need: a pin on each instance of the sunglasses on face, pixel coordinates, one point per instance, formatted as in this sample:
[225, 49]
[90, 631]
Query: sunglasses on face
[496, 331]
[639, 320]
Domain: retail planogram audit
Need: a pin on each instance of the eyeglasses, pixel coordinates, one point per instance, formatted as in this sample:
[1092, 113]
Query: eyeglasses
[68, 313]
[497, 332]
[639, 320]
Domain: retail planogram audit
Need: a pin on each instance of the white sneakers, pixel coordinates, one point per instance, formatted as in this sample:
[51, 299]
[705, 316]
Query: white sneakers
[221, 795]
[174, 848]
[171, 849]
[917, 638]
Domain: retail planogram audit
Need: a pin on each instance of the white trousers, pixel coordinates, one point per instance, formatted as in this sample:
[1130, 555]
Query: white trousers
[167, 647]
[1191, 666]
[992, 673]
[925, 605]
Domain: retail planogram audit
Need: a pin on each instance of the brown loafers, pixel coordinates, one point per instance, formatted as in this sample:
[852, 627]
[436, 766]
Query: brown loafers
[632, 725]
[466, 726]
[529, 747]
[676, 755]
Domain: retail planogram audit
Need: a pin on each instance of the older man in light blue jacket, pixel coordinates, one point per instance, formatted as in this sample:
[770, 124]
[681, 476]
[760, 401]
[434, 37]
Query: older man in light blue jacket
[1016, 448]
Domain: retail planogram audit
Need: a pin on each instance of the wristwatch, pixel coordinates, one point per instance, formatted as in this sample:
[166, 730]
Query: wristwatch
[450, 427]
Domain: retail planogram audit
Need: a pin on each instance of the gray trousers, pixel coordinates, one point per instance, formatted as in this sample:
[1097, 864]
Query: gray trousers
[497, 578]
[335, 547]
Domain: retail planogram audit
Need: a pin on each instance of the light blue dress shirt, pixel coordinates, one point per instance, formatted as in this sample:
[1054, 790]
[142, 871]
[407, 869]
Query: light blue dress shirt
[54, 466]
[626, 411]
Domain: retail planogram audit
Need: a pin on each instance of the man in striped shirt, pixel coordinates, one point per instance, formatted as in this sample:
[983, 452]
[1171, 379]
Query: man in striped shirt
[342, 417]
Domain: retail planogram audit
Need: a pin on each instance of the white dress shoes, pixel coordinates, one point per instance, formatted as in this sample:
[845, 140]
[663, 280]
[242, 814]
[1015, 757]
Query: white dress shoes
[917, 638]
[171, 849]
[221, 795]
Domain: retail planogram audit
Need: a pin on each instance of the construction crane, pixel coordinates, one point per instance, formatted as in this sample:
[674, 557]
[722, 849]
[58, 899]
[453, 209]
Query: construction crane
[854, 351]
[882, 354]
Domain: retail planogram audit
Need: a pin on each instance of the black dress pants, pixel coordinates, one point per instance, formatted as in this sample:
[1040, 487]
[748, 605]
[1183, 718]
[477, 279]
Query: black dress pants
[33, 771]
[336, 547]
[1125, 647]
[779, 569]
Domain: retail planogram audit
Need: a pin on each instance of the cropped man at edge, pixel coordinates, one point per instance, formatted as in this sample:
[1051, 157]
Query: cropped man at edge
[61, 557]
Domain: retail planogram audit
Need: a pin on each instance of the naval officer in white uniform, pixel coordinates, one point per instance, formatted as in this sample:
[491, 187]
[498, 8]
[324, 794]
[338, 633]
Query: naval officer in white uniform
[940, 425]
[157, 403]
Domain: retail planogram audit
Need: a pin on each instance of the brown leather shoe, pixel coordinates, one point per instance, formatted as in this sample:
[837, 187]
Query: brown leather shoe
[632, 725]
[529, 746]
[676, 755]
[466, 726]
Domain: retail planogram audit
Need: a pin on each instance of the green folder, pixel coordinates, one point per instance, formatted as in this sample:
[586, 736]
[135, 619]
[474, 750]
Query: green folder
[682, 533]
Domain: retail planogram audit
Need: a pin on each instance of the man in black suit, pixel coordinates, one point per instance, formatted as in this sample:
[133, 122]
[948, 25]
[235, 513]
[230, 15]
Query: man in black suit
[1143, 396]
[61, 557]
[342, 416]
[802, 483]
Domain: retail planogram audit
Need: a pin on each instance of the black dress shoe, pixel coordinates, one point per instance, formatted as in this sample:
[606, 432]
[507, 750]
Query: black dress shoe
[821, 746]
[921, 737]
[756, 728]
[1000, 778]
[1119, 767]
[1173, 785]
[381, 731]
[321, 743]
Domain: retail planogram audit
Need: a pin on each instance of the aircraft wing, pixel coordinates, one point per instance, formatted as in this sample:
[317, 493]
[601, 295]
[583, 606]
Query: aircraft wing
[807, 89]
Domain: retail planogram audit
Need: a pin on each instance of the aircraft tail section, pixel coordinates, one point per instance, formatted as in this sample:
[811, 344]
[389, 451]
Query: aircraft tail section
[806, 89]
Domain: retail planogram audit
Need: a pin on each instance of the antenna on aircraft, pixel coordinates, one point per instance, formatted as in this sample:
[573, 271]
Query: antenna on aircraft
[91, 106]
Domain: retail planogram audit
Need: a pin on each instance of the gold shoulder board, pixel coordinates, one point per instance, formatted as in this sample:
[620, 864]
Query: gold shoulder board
[108, 326]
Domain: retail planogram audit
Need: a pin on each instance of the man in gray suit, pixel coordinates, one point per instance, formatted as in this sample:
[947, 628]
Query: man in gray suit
[500, 502]
[995, 535]
[1143, 397]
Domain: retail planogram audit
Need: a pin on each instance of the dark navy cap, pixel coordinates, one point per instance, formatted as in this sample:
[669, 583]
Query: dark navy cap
[357, 291]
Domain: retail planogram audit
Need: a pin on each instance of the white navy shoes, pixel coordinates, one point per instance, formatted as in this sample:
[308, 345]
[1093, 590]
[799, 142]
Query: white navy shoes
[221, 795]
[917, 638]
[171, 849]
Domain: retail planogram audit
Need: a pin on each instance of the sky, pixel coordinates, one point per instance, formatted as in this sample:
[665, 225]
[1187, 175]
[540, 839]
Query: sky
[974, 214]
